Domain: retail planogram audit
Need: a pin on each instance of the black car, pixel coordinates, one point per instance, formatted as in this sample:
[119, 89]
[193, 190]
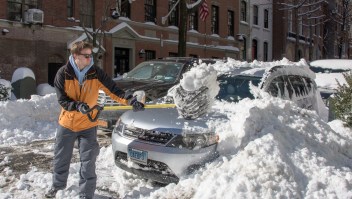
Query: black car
[154, 77]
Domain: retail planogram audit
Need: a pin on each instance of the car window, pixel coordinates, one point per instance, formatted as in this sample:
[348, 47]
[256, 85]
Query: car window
[160, 71]
[277, 87]
[299, 88]
[235, 88]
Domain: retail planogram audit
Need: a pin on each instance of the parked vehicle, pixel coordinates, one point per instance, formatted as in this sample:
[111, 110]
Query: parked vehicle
[160, 145]
[154, 77]
[330, 69]
[331, 65]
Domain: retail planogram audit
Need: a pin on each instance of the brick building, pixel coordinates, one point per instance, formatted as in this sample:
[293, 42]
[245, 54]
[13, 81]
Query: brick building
[42, 43]
[297, 28]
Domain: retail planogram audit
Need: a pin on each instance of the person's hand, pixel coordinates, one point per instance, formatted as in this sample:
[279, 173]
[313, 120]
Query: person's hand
[136, 105]
[82, 107]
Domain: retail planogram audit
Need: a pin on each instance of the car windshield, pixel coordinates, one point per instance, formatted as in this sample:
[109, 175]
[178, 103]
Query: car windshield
[235, 88]
[158, 71]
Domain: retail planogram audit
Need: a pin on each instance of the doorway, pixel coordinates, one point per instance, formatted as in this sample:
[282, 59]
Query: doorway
[52, 70]
[122, 61]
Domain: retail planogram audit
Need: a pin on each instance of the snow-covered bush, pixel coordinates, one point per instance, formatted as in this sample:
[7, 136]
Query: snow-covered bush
[342, 101]
[4, 92]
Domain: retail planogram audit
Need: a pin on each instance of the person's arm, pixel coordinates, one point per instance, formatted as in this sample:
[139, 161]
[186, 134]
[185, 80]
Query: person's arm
[59, 84]
[110, 87]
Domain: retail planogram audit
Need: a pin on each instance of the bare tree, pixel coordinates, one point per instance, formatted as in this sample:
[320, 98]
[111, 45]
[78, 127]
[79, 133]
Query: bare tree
[185, 10]
[305, 13]
[341, 16]
[96, 34]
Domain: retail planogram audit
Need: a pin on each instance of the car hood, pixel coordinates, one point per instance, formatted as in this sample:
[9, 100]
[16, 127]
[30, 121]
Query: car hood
[140, 84]
[168, 120]
[153, 89]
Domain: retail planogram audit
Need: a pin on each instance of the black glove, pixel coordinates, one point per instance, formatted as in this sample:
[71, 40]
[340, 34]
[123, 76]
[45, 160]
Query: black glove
[128, 95]
[82, 107]
[137, 106]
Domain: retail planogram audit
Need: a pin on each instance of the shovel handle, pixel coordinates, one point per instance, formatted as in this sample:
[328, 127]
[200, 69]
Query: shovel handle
[110, 108]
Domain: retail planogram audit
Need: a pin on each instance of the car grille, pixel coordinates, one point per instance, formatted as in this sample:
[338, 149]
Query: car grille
[149, 135]
[151, 165]
[105, 100]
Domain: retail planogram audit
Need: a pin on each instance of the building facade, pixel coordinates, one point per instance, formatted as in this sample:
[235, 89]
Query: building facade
[38, 34]
[256, 29]
[298, 30]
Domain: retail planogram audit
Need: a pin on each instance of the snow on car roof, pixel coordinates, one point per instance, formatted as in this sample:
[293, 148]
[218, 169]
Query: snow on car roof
[344, 64]
[329, 80]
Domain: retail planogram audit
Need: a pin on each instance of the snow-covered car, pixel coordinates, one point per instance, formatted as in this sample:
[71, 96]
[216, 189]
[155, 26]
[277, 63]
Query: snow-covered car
[331, 65]
[154, 77]
[329, 73]
[160, 145]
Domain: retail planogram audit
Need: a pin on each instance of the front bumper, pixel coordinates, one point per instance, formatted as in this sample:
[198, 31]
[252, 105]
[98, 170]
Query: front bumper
[164, 164]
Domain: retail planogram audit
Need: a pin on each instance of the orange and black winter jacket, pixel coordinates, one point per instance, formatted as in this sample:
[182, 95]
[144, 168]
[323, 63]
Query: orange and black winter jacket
[70, 92]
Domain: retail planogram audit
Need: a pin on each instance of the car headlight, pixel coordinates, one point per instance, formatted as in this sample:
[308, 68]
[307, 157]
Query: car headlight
[194, 141]
[119, 127]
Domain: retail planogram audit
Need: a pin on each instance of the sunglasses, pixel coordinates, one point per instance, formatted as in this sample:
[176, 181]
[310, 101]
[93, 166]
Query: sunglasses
[87, 55]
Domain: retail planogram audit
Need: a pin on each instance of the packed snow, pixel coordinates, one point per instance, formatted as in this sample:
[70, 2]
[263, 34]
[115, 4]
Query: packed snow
[269, 148]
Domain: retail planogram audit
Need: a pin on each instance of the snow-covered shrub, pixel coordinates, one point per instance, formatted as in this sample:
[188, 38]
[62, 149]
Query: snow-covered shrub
[4, 92]
[342, 101]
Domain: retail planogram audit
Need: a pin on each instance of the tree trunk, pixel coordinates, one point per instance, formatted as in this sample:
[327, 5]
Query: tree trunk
[182, 29]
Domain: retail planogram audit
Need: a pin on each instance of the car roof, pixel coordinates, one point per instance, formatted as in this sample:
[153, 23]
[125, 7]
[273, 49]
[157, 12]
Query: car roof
[342, 64]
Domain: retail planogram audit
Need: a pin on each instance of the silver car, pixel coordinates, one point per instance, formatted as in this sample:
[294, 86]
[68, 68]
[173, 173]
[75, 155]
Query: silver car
[160, 145]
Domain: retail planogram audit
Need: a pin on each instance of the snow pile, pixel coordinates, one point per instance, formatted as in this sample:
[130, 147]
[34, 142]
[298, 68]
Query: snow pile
[21, 73]
[272, 149]
[44, 89]
[23, 121]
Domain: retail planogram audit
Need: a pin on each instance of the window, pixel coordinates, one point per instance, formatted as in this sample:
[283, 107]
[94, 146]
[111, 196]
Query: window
[300, 26]
[266, 18]
[193, 55]
[244, 50]
[265, 53]
[254, 49]
[289, 20]
[215, 20]
[69, 8]
[255, 15]
[288, 89]
[193, 19]
[276, 87]
[243, 11]
[173, 17]
[86, 13]
[125, 8]
[317, 27]
[149, 54]
[150, 10]
[230, 23]
[299, 89]
[16, 8]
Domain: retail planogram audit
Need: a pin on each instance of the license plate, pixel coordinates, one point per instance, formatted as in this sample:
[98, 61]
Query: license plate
[138, 156]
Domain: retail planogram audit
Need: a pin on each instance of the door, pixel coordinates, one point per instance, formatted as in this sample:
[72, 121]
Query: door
[122, 63]
[52, 70]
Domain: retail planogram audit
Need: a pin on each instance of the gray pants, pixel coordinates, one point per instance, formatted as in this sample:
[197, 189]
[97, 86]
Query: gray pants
[88, 151]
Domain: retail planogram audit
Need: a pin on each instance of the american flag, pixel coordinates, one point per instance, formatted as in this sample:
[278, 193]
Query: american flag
[204, 11]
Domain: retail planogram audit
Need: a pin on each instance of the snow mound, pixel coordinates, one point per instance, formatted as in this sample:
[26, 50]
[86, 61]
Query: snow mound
[37, 119]
[21, 73]
[271, 148]
[45, 89]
